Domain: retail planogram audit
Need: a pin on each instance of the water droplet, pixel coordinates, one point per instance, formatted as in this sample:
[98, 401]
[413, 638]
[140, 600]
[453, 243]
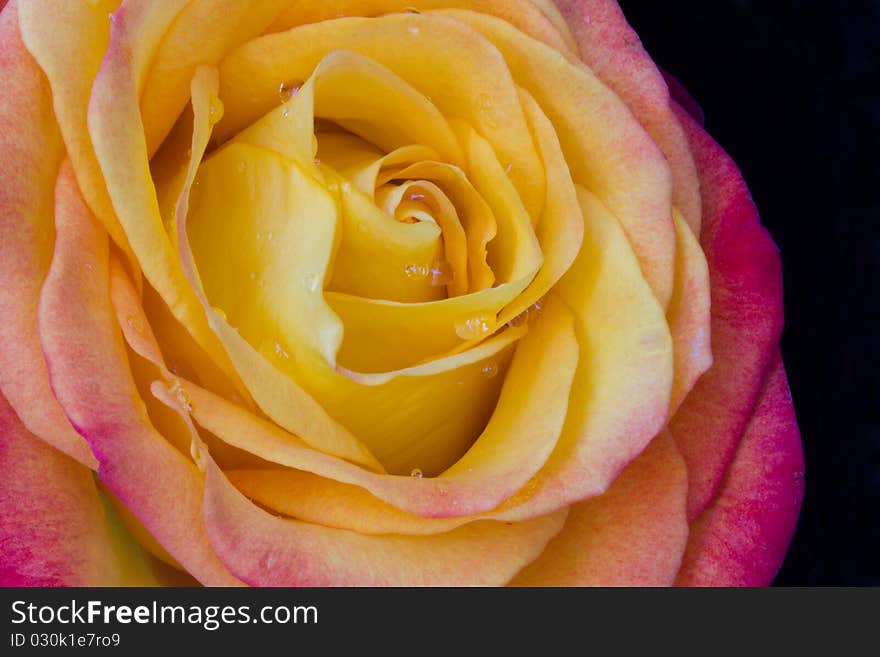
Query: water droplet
[285, 112]
[110, 16]
[280, 353]
[416, 196]
[215, 109]
[418, 474]
[473, 328]
[270, 561]
[414, 30]
[417, 271]
[311, 282]
[346, 187]
[488, 111]
[508, 168]
[289, 89]
[587, 20]
[317, 161]
[441, 274]
[89, 266]
[220, 313]
[181, 395]
[490, 370]
[519, 320]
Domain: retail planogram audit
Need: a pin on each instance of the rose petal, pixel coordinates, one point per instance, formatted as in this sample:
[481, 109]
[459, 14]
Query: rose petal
[69, 40]
[633, 535]
[30, 154]
[268, 551]
[607, 150]
[513, 446]
[88, 373]
[542, 22]
[117, 134]
[611, 48]
[621, 391]
[54, 529]
[200, 35]
[689, 314]
[746, 288]
[742, 538]
[475, 85]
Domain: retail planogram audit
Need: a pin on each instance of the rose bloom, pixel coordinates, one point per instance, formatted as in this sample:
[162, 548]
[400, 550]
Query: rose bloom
[368, 292]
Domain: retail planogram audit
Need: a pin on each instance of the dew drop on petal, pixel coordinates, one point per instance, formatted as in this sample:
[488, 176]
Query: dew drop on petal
[416, 196]
[181, 395]
[414, 30]
[310, 282]
[417, 473]
[289, 89]
[441, 274]
[487, 109]
[285, 112]
[490, 370]
[220, 313]
[473, 328]
[280, 352]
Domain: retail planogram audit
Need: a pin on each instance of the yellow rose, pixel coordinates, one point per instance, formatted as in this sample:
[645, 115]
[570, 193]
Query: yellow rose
[438, 292]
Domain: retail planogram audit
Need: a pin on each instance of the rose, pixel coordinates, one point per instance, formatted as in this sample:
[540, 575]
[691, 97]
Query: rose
[515, 321]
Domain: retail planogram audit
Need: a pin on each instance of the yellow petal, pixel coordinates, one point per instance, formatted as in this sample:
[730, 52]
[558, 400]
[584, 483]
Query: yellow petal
[620, 397]
[474, 85]
[69, 40]
[607, 149]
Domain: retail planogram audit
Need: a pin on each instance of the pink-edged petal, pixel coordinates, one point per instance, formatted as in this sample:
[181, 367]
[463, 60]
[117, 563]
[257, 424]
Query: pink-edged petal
[689, 314]
[90, 376]
[30, 154]
[613, 50]
[265, 550]
[54, 528]
[633, 535]
[741, 540]
[49, 513]
[745, 276]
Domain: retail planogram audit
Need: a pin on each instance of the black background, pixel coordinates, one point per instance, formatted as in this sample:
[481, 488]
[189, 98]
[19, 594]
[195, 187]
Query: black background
[792, 91]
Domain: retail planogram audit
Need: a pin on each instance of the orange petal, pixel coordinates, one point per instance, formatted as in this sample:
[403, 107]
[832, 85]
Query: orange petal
[88, 371]
[69, 40]
[30, 154]
[613, 51]
[267, 551]
[633, 535]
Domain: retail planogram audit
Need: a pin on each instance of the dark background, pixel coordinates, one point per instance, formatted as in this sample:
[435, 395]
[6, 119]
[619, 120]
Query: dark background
[792, 91]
